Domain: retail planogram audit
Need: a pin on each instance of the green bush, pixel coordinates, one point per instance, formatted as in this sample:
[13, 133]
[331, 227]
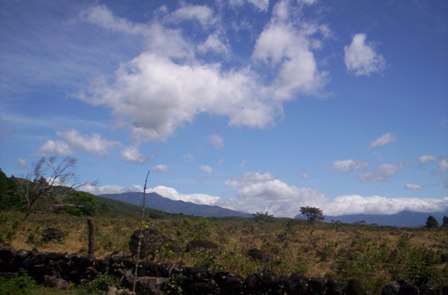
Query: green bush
[101, 284]
[366, 262]
[22, 284]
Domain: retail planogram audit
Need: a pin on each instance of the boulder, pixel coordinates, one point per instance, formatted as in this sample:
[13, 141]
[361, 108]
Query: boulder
[334, 287]
[408, 288]
[55, 282]
[316, 286]
[52, 235]
[391, 288]
[296, 284]
[146, 285]
[151, 242]
[355, 287]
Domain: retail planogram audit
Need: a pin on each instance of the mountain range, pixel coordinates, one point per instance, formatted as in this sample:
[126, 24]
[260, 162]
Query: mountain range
[404, 218]
[158, 202]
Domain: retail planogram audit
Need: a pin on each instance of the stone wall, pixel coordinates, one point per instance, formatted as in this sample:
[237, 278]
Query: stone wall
[57, 269]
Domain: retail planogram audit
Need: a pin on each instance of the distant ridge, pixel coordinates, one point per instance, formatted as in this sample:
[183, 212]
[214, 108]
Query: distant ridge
[158, 202]
[404, 218]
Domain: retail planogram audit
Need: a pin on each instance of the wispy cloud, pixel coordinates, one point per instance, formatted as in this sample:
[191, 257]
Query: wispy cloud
[349, 165]
[441, 162]
[216, 141]
[382, 173]
[207, 169]
[100, 15]
[200, 13]
[161, 168]
[413, 186]
[382, 140]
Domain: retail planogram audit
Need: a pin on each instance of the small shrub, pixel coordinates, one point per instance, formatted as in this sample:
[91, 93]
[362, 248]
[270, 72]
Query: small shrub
[22, 284]
[101, 284]
[174, 286]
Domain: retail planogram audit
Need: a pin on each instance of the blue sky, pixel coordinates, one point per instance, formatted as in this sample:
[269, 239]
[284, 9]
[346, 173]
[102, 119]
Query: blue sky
[253, 105]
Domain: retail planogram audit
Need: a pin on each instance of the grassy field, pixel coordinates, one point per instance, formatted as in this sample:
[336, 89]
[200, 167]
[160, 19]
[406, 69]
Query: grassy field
[374, 255]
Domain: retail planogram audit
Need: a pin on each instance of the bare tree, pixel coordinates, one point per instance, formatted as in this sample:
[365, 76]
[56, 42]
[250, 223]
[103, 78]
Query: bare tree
[312, 214]
[50, 176]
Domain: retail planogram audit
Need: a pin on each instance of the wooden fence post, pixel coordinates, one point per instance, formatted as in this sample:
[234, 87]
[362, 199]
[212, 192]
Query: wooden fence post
[91, 227]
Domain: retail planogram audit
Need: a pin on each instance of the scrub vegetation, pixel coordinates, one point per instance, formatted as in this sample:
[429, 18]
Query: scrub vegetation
[372, 254]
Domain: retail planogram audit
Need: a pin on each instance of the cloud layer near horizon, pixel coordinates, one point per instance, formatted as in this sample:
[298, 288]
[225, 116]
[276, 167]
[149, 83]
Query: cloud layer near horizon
[261, 192]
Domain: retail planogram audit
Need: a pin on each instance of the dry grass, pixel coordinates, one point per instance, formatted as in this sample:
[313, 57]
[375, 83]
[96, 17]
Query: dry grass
[293, 245]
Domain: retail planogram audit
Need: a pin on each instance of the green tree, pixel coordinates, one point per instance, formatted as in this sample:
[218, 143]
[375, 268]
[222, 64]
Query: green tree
[445, 221]
[431, 222]
[260, 216]
[80, 203]
[312, 214]
[8, 199]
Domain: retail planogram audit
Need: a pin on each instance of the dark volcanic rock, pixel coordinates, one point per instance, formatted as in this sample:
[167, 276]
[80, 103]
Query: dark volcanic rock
[297, 284]
[316, 286]
[151, 242]
[52, 235]
[391, 288]
[355, 287]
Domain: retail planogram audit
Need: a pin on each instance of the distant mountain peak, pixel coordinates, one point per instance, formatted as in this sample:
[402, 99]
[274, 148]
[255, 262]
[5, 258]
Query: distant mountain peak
[158, 202]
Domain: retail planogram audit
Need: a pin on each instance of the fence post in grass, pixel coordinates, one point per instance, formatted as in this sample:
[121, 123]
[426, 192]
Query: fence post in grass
[91, 228]
[140, 236]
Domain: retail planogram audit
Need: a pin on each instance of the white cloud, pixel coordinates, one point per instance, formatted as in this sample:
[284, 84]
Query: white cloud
[215, 45]
[169, 68]
[307, 2]
[382, 173]
[110, 189]
[188, 90]
[161, 168]
[360, 57]
[132, 154]
[413, 186]
[92, 144]
[288, 48]
[56, 147]
[173, 194]
[260, 192]
[71, 140]
[441, 162]
[382, 140]
[262, 5]
[427, 159]
[21, 162]
[216, 141]
[304, 176]
[356, 204]
[103, 17]
[201, 13]
[206, 169]
[349, 165]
